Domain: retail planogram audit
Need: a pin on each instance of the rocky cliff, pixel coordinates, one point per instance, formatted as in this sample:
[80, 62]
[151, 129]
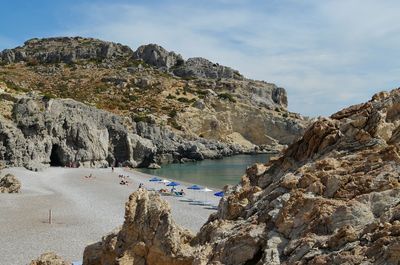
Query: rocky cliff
[190, 109]
[60, 132]
[332, 197]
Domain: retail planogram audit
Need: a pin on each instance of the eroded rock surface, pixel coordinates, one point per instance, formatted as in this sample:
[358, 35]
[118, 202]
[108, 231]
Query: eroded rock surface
[148, 236]
[333, 197]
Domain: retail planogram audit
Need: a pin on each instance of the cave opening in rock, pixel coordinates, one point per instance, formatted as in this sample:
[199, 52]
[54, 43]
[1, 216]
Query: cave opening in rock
[55, 160]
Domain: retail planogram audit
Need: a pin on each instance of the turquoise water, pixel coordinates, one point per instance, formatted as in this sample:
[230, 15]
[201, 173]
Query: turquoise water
[210, 173]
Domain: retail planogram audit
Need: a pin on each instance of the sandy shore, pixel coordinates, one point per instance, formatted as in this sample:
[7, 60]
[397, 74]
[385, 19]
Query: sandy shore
[83, 211]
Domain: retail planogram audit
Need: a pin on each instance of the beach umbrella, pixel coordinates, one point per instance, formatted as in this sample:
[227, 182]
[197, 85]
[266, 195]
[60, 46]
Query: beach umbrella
[165, 181]
[219, 194]
[194, 187]
[205, 190]
[173, 184]
[155, 179]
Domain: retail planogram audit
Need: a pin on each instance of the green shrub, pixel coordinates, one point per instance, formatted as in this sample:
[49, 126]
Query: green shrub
[32, 62]
[174, 124]
[143, 118]
[48, 96]
[133, 98]
[227, 96]
[173, 113]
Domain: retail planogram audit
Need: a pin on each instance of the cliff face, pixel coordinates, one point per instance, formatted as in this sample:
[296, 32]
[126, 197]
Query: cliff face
[59, 132]
[333, 197]
[177, 100]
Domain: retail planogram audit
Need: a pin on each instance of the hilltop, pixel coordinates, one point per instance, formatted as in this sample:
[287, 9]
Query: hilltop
[179, 109]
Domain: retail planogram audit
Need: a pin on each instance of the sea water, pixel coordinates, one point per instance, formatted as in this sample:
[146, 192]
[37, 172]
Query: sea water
[211, 173]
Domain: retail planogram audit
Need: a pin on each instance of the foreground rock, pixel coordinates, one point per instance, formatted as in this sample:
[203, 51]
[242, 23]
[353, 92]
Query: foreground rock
[9, 184]
[332, 198]
[148, 236]
[49, 259]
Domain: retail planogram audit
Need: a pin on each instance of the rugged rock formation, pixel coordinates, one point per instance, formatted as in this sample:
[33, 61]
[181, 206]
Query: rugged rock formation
[60, 132]
[148, 236]
[49, 259]
[149, 112]
[65, 49]
[9, 184]
[157, 56]
[333, 197]
[203, 68]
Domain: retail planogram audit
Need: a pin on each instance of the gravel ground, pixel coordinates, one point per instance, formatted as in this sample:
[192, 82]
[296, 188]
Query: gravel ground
[83, 211]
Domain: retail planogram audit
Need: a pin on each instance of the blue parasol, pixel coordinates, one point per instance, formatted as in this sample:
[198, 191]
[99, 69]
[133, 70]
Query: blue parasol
[155, 179]
[194, 187]
[173, 184]
[219, 194]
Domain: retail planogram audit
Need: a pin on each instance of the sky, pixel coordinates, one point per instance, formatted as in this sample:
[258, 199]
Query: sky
[326, 54]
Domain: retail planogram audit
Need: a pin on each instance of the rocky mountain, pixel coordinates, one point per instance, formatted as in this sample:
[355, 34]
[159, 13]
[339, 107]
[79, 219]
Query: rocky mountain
[95, 103]
[332, 197]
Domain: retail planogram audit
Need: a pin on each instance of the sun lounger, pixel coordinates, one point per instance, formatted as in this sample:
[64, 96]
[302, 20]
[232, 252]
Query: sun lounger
[165, 193]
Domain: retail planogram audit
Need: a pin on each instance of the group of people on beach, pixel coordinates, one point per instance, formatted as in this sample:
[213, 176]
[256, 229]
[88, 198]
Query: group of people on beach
[89, 177]
[124, 180]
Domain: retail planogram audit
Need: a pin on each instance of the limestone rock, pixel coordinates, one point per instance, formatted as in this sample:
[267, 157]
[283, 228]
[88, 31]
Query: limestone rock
[157, 56]
[66, 50]
[9, 184]
[203, 68]
[61, 132]
[154, 166]
[49, 259]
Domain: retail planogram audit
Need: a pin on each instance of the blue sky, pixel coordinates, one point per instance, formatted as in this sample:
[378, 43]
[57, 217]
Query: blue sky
[327, 54]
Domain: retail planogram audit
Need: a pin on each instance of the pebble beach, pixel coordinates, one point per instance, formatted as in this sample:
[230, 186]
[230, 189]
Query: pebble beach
[83, 210]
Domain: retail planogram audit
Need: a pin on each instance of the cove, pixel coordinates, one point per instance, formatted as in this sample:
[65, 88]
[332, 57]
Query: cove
[210, 173]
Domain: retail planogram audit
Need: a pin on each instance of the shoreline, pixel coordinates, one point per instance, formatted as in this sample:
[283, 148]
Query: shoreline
[83, 210]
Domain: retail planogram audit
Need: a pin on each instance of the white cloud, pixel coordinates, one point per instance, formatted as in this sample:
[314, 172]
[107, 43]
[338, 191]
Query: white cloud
[327, 54]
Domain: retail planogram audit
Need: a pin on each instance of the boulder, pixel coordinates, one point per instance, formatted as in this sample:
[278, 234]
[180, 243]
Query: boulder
[148, 236]
[157, 56]
[154, 166]
[9, 184]
[49, 258]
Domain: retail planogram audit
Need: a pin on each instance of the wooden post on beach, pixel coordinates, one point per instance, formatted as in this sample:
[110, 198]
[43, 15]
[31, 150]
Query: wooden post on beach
[50, 217]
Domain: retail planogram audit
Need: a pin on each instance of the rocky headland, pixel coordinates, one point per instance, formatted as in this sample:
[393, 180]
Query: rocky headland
[332, 197]
[94, 103]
